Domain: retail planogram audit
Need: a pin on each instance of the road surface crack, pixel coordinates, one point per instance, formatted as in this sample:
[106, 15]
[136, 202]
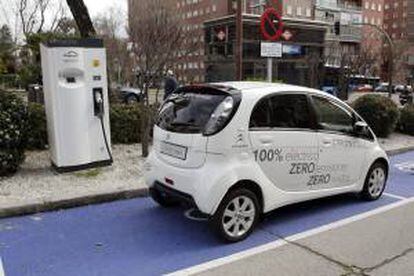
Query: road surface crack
[348, 269]
[389, 260]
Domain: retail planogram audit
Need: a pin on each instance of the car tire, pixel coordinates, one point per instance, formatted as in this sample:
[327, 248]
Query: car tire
[163, 199]
[375, 182]
[131, 99]
[230, 222]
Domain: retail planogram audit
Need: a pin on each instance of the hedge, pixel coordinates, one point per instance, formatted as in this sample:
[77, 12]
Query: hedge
[13, 133]
[37, 138]
[124, 120]
[407, 119]
[380, 112]
[125, 124]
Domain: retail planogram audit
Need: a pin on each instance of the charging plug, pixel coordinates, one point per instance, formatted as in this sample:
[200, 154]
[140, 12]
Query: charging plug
[98, 102]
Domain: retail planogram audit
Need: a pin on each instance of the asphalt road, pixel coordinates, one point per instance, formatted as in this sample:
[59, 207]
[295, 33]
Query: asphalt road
[336, 236]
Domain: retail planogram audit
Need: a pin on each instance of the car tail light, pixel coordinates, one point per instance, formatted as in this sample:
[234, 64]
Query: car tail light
[169, 181]
[220, 117]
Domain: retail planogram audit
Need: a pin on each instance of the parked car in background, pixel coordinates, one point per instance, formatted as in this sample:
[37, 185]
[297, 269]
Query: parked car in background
[406, 94]
[383, 88]
[332, 90]
[364, 88]
[130, 95]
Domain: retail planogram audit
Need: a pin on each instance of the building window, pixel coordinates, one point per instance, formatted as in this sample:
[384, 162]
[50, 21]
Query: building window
[299, 11]
[308, 12]
[289, 10]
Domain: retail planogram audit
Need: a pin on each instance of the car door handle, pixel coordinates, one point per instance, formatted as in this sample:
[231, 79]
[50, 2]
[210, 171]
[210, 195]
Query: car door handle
[327, 143]
[266, 140]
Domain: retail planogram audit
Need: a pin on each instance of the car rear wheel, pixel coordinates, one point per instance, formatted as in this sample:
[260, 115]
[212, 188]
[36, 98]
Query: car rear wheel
[163, 199]
[236, 216]
[375, 182]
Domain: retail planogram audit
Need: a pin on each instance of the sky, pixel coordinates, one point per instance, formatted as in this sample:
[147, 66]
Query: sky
[95, 8]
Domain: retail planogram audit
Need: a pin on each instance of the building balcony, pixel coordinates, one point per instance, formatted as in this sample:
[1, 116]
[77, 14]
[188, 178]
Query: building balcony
[350, 34]
[338, 5]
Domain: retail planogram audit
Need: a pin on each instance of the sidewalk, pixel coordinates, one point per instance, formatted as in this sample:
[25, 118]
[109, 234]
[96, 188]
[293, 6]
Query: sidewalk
[36, 188]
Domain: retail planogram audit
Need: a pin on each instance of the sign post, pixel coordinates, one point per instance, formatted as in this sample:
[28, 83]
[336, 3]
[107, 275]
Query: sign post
[271, 26]
[270, 50]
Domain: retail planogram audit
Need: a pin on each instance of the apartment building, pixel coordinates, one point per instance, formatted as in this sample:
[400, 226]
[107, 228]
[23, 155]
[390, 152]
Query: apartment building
[346, 12]
[410, 36]
[396, 22]
[302, 40]
[372, 42]
[190, 67]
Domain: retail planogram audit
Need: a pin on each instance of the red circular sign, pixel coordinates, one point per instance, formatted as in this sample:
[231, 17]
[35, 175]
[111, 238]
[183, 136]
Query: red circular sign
[271, 24]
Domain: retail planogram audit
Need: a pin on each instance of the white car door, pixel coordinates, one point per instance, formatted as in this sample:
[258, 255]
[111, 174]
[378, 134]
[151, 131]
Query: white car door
[284, 143]
[341, 153]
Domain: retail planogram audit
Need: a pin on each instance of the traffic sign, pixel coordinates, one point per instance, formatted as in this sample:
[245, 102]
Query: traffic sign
[270, 49]
[271, 25]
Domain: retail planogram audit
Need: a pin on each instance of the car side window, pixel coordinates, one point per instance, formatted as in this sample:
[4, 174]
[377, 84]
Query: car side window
[261, 115]
[332, 116]
[290, 111]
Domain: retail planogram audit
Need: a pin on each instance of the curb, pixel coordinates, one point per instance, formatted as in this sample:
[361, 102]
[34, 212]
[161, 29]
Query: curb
[399, 151]
[71, 203]
[101, 198]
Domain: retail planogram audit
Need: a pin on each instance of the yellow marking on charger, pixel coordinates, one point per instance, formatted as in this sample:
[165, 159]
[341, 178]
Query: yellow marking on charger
[96, 63]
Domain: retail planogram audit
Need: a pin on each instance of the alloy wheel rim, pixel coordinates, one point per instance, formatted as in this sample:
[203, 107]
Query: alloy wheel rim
[376, 182]
[238, 217]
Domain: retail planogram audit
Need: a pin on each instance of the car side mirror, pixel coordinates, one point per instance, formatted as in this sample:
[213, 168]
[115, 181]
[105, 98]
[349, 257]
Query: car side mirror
[361, 128]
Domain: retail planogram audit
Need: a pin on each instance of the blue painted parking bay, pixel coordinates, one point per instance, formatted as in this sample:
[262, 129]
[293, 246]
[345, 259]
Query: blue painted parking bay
[136, 237]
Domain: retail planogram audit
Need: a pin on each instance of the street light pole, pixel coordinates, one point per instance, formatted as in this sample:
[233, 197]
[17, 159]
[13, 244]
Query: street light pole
[390, 53]
[239, 40]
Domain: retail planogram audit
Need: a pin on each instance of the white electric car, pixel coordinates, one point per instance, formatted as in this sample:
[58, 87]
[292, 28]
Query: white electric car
[238, 150]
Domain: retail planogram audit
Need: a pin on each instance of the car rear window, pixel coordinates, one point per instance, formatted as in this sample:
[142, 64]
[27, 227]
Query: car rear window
[188, 111]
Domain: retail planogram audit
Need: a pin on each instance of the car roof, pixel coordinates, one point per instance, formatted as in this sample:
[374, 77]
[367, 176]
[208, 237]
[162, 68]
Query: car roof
[260, 89]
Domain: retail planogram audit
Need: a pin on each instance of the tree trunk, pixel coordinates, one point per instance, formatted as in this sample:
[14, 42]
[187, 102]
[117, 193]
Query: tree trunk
[81, 15]
[145, 129]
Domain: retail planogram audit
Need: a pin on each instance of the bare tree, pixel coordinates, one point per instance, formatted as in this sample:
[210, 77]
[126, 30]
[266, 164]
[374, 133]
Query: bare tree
[109, 26]
[32, 15]
[158, 40]
[81, 15]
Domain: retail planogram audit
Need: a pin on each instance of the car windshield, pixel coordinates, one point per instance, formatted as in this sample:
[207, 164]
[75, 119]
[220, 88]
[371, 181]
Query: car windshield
[189, 111]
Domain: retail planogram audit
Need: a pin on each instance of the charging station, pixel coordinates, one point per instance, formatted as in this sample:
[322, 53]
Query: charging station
[76, 101]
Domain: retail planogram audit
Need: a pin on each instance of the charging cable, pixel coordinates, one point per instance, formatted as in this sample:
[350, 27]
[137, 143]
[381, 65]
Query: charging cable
[99, 101]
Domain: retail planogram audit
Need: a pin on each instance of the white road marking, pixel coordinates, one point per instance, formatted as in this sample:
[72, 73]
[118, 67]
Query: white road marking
[278, 243]
[395, 196]
[1, 268]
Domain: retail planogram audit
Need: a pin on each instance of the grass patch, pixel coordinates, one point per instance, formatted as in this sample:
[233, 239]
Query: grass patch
[89, 173]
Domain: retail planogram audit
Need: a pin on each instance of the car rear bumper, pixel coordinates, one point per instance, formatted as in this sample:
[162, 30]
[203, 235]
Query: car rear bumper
[170, 192]
[189, 185]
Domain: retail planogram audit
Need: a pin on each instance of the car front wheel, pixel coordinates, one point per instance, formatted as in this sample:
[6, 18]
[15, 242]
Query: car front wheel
[375, 182]
[236, 216]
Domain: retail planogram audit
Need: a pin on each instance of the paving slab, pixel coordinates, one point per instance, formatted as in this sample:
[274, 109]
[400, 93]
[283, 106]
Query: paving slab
[289, 260]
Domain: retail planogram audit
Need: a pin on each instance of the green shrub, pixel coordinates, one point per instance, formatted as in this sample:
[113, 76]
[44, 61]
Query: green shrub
[407, 119]
[13, 130]
[125, 124]
[37, 129]
[381, 113]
